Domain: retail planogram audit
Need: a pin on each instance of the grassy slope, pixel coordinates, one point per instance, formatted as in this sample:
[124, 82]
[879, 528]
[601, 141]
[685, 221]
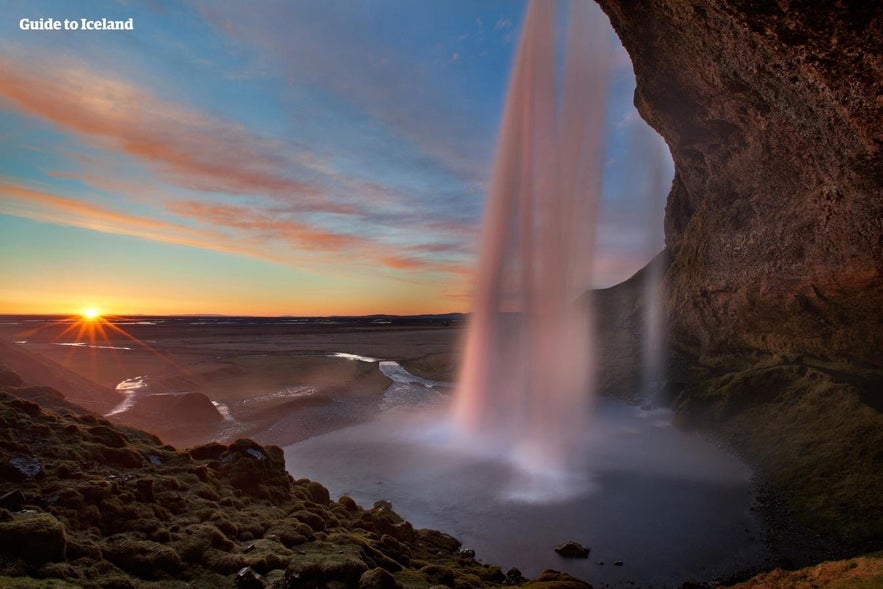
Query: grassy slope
[855, 573]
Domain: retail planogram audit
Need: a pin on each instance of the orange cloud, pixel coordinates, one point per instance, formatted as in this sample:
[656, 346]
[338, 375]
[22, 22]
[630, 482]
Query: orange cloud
[258, 233]
[187, 147]
[21, 201]
[263, 224]
[263, 227]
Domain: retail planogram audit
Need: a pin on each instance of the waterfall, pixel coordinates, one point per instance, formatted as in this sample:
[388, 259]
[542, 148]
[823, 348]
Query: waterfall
[526, 382]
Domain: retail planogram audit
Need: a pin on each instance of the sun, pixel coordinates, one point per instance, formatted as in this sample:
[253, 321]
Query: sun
[91, 314]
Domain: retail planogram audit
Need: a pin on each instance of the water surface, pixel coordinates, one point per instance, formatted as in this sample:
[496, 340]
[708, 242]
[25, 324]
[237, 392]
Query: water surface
[667, 504]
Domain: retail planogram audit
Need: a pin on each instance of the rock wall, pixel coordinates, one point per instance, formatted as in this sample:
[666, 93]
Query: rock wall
[773, 112]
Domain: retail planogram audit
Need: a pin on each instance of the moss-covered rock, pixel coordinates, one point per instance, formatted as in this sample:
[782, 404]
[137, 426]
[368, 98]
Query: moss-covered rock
[549, 579]
[36, 538]
[143, 558]
[378, 579]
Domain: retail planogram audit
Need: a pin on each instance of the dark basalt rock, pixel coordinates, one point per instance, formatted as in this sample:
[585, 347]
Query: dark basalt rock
[246, 578]
[211, 451]
[572, 550]
[104, 435]
[349, 504]
[12, 500]
[22, 467]
[514, 577]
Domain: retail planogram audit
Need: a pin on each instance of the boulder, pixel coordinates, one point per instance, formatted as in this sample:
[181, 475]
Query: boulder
[13, 500]
[378, 578]
[106, 436]
[36, 538]
[210, 451]
[22, 467]
[246, 578]
[318, 493]
[572, 550]
[437, 574]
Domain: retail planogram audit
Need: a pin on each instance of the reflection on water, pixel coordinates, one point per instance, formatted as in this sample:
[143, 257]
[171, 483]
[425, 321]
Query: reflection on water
[92, 346]
[288, 393]
[352, 357]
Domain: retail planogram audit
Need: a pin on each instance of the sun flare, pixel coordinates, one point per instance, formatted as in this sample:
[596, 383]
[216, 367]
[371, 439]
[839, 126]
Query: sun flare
[91, 314]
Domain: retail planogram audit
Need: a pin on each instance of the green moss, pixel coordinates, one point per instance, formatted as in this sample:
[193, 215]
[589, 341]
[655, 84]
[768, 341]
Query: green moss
[141, 557]
[411, 579]
[555, 580]
[812, 434]
[34, 537]
[28, 583]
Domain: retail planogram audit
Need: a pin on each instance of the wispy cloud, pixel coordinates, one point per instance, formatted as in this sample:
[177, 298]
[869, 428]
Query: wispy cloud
[230, 229]
[185, 147]
[21, 201]
[261, 229]
[264, 226]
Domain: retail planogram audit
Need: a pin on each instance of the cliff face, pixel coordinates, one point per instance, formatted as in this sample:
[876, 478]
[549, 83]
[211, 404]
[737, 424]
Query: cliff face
[773, 112]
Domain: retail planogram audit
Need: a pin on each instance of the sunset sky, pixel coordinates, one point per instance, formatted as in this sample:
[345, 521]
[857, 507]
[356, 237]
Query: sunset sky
[269, 158]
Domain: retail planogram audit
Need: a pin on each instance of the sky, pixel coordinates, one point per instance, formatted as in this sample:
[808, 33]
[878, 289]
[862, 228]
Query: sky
[274, 158]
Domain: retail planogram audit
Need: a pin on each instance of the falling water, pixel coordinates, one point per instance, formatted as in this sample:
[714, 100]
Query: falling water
[654, 333]
[528, 368]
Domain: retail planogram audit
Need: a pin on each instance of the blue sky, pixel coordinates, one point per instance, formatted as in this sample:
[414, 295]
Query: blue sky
[307, 157]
